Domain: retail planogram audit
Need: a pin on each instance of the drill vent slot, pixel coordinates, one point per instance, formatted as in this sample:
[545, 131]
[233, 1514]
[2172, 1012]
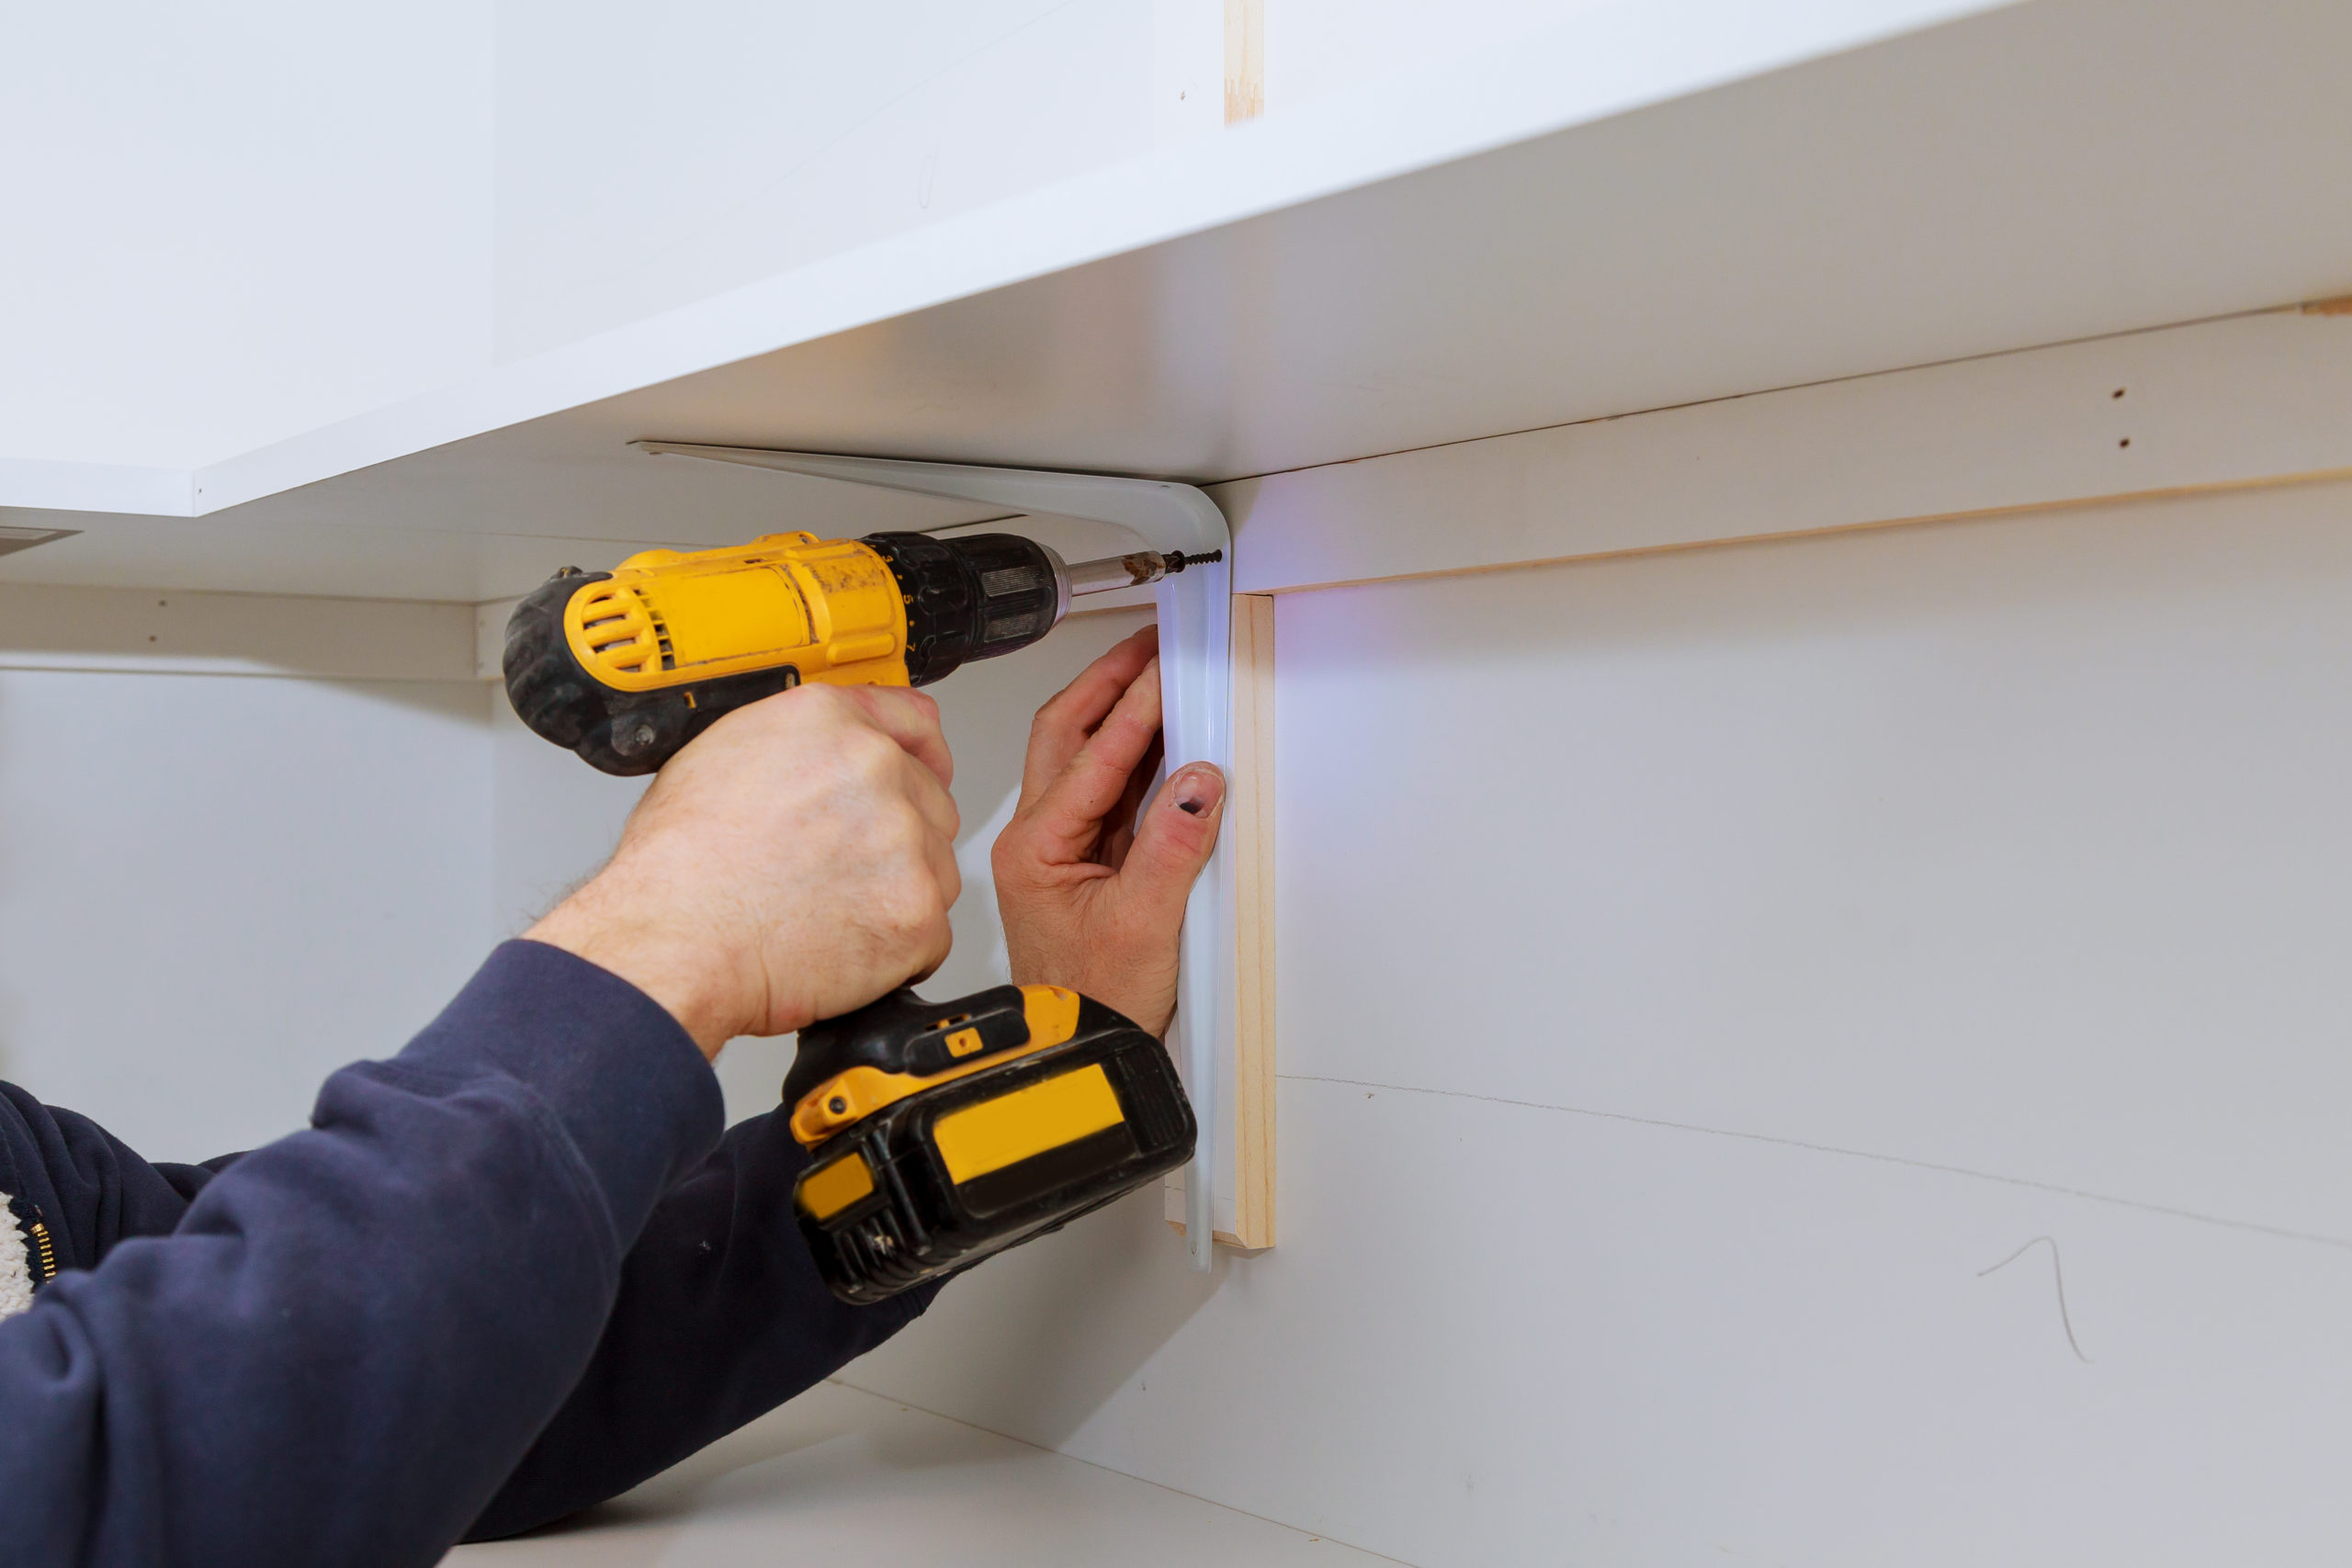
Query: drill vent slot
[662, 638]
[621, 634]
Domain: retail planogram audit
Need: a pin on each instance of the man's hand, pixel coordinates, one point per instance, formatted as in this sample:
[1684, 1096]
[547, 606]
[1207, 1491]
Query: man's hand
[1093, 896]
[797, 861]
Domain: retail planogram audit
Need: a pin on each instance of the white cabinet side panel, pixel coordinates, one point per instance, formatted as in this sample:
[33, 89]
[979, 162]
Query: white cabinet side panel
[216, 891]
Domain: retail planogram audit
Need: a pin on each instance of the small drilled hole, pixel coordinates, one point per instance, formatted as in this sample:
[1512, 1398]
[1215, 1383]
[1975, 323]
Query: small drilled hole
[2125, 442]
[2117, 393]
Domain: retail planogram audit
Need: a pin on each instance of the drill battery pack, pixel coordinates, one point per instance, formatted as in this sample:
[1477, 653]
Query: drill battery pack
[943, 1132]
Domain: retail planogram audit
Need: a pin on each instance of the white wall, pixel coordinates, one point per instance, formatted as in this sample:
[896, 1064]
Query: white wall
[227, 224]
[216, 889]
[554, 820]
[1697, 971]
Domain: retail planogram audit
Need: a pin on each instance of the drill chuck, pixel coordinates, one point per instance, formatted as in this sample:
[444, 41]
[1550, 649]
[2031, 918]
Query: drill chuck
[972, 598]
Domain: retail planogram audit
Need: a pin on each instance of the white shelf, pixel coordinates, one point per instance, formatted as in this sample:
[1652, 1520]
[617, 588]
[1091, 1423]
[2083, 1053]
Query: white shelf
[844, 1476]
[1648, 205]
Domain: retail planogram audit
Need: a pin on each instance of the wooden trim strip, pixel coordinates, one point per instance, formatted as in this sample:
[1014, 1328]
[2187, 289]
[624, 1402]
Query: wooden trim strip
[1249, 803]
[1252, 804]
[1245, 60]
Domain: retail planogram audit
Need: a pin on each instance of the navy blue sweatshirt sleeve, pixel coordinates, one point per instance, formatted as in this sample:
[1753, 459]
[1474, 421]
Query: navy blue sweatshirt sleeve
[349, 1338]
[721, 1318]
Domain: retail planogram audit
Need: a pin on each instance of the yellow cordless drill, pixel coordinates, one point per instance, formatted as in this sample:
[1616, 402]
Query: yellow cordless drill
[939, 1132]
[625, 666]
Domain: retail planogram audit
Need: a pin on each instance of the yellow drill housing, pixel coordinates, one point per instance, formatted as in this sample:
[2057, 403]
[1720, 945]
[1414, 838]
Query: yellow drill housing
[832, 609]
[626, 666]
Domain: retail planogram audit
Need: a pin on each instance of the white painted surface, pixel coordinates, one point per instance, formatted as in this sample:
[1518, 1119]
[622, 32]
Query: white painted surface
[644, 163]
[2250, 401]
[490, 537]
[842, 1476]
[245, 226]
[216, 891]
[1696, 970]
[275, 549]
[33, 482]
[1317, 47]
[554, 820]
[1254, 347]
[1187, 87]
[2245, 400]
[1205, 309]
[642, 167]
[2014, 847]
[170, 632]
[229, 223]
[1506, 1335]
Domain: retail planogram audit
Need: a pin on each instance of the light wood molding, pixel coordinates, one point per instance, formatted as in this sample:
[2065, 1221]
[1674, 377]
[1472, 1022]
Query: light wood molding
[1252, 804]
[1245, 60]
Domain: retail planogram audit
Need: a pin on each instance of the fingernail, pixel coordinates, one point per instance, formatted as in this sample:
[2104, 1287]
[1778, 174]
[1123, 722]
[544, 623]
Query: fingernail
[1199, 787]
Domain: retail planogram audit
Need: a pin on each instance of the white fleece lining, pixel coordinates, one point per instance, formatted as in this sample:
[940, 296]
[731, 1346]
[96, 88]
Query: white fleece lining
[16, 1265]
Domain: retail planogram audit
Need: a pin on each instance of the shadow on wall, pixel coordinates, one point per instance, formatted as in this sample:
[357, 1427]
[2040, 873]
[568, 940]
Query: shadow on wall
[1032, 1343]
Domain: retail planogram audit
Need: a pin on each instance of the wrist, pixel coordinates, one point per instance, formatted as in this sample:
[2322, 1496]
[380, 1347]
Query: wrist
[683, 977]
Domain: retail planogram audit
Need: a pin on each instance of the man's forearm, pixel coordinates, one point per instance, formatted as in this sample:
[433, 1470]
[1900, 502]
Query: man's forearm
[355, 1332]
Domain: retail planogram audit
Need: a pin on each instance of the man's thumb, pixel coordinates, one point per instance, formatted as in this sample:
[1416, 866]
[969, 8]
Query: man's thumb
[1176, 836]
